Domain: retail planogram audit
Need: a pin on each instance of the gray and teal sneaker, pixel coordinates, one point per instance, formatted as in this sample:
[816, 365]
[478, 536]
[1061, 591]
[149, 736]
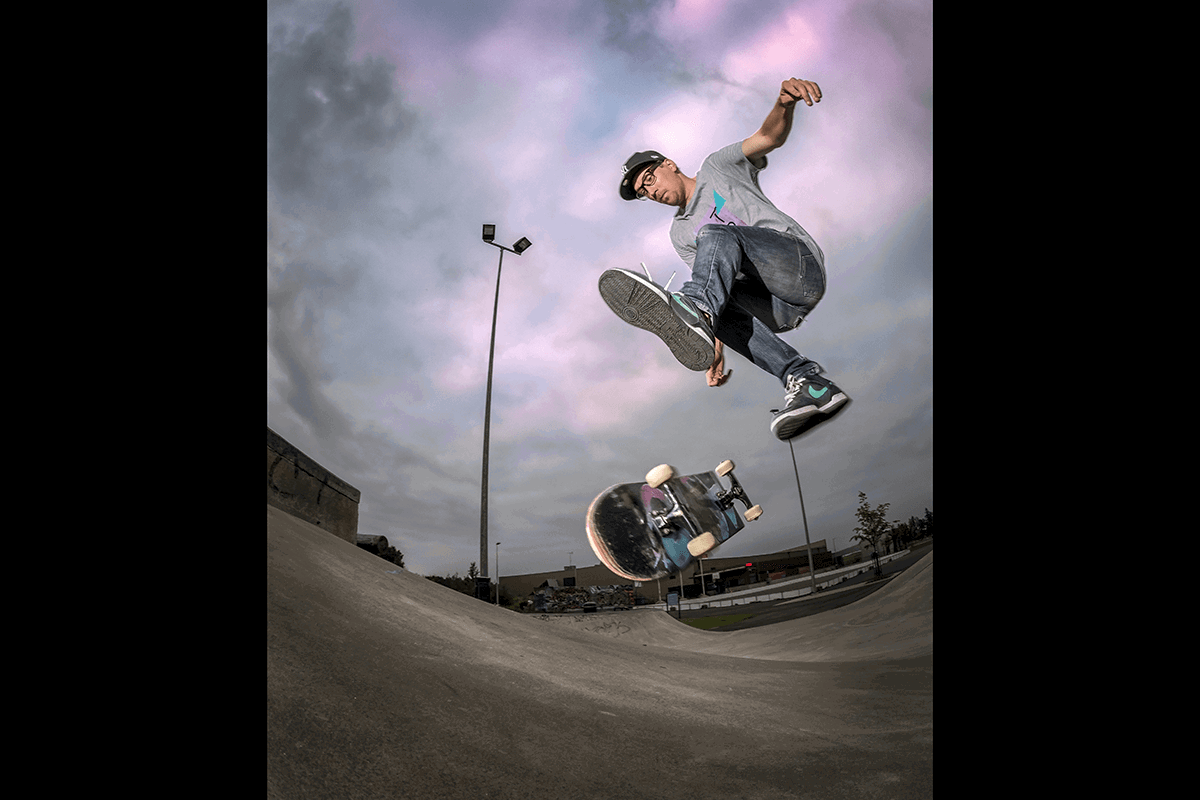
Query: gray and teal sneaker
[671, 317]
[809, 401]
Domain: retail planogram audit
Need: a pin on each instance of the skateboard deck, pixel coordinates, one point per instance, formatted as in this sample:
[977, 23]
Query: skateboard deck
[652, 529]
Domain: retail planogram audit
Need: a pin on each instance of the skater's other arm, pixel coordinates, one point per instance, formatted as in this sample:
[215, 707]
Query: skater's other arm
[778, 124]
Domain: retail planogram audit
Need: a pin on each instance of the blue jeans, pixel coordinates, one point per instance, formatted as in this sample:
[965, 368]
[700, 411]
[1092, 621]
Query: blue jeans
[756, 283]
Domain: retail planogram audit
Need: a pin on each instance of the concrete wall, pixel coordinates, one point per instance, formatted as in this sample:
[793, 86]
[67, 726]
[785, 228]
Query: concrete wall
[305, 489]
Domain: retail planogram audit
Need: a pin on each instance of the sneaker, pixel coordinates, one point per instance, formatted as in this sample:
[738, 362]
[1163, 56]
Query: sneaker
[810, 400]
[674, 318]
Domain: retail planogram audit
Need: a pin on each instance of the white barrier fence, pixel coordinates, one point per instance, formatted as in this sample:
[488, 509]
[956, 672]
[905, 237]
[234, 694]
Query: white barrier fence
[776, 591]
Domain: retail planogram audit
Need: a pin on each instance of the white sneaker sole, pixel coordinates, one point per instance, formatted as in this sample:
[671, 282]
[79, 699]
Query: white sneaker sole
[790, 424]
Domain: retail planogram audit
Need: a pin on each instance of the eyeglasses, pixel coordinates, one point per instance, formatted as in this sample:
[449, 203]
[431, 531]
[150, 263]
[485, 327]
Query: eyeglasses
[647, 180]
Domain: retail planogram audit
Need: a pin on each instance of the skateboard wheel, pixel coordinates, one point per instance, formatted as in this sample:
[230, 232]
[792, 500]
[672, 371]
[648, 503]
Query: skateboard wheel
[724, 468]
[753, 513]
[660, 475]
[702, 544]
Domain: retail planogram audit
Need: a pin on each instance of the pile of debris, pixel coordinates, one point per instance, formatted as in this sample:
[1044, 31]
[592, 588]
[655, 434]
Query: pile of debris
[551, 598]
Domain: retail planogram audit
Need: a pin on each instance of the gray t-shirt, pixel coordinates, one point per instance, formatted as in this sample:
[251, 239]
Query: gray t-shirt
[727, 193]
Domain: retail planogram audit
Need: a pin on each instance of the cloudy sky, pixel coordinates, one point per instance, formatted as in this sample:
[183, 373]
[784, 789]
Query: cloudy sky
[396, 128]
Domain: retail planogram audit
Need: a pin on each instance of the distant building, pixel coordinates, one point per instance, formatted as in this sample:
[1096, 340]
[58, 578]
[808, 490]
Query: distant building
[719, 574]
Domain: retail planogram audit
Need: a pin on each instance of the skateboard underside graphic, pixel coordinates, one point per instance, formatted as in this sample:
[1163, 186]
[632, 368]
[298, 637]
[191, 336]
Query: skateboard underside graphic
[648, 530]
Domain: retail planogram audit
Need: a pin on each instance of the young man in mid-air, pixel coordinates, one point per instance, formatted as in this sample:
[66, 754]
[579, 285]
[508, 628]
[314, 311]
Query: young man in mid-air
[755, 271]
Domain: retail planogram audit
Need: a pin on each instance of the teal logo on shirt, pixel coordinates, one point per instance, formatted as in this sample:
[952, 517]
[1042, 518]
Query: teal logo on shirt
[718, 215]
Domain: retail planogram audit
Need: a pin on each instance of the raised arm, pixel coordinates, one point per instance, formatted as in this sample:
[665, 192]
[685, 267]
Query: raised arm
[778, 124]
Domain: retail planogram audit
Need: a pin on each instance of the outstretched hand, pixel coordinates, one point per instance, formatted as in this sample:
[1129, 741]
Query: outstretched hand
[794, 89]
[716, 374]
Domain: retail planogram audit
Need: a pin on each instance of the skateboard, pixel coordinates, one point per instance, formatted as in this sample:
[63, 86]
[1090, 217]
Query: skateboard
[643, 531]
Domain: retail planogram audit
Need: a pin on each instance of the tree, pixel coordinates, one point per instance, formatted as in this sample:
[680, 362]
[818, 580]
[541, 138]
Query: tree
[459, 584]
[377, 545]
[394, 555]
[872, 525]
[464, 585]
[903, 533]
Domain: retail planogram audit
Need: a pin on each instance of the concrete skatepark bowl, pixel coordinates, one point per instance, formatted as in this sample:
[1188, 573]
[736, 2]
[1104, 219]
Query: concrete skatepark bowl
[381, 684]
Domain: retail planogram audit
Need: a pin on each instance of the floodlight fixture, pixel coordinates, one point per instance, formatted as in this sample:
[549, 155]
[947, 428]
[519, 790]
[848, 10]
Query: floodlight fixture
[489, 232]
[522, 245]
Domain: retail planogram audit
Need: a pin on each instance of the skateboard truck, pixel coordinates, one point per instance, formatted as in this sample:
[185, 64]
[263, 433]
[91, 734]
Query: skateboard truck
[657, 479]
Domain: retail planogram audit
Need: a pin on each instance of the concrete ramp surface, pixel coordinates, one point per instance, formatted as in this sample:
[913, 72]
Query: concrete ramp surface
[382, 684]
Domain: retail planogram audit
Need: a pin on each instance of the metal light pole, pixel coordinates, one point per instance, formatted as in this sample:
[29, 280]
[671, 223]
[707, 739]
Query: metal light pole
[681, 594]
[497, 574]
[522, 244]
[812, 572]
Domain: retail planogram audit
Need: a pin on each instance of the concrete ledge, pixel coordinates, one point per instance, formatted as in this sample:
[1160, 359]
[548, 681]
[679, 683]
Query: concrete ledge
[303, 488]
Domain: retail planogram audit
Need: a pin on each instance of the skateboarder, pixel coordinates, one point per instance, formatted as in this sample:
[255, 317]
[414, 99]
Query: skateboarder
[755, 271]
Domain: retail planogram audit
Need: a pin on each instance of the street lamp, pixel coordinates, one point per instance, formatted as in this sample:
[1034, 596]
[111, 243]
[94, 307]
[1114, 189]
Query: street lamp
[497, 574]
[522, 244]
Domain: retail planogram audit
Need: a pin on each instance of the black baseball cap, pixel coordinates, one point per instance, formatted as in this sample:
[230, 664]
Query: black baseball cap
[633, 166]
